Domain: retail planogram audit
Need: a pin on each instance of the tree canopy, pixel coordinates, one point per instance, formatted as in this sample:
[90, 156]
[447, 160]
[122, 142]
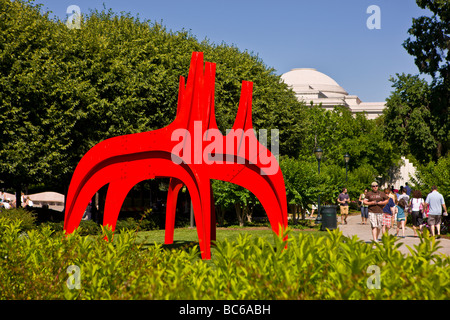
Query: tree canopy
[64, 90]
[417, 113]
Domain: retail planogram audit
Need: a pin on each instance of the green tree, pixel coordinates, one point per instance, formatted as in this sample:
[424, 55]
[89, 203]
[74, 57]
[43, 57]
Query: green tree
[408, 119]
[434, 173]
[430, 40]
[302, 181]
[64, 90]
[27, 71]
[229, 196]
[337, 131]
[416, 110]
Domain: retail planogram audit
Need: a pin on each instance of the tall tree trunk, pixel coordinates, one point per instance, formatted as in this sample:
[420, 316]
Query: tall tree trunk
[220, 214]
[249, 212]
[239, 214]
[294, 209]
[18, 196]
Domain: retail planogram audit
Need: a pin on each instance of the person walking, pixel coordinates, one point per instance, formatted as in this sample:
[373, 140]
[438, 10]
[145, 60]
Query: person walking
[435, 203]
[364, 207]
[376, 200]
[401, 217]
[388, 211]
[416, 206]
[391, 194]
[403, 195]
[343, 200]
[408, 189]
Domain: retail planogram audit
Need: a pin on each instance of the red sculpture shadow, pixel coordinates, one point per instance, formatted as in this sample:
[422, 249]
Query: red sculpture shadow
[191, 151]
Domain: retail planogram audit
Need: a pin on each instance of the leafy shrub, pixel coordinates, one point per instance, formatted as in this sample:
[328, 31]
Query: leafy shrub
[89, 227]
[126, 225]
[55, 226]
[148, 224]
[27, 218]
[147, 221]
[328, 267]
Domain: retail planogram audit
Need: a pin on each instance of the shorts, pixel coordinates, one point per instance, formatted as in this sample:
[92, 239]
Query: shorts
[344, 209]
[401, 219]
[434, 220]
[387, 220]
[376, 220]
[417, 219]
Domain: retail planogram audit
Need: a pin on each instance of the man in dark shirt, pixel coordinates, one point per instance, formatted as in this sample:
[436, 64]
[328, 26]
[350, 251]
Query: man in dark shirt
[343, 200]
[376, 200]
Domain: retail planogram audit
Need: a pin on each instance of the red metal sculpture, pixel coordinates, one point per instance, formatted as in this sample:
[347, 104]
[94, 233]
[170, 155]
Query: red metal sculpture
[191, 151]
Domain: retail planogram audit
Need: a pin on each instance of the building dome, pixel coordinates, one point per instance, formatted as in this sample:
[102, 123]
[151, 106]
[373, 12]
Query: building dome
[312, 86]
[309, 81]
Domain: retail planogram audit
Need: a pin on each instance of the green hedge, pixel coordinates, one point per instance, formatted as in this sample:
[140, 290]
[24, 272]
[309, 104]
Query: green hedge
[328, 267]
[27, 218]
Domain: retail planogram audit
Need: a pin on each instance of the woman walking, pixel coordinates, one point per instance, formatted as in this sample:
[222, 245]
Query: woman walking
[416, 205]
[364, 207]
[401, 217]
[388, 212]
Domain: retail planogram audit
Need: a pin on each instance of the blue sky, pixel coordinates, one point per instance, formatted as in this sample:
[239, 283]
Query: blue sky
[329, 35]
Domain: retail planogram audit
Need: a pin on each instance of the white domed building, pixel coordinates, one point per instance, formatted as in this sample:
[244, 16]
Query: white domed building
[313, 86]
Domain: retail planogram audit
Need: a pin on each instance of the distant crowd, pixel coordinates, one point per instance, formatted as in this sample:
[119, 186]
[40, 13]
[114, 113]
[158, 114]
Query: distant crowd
[390, 208]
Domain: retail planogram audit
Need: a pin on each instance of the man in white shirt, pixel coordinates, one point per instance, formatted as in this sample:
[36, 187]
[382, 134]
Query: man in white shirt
[435, 202]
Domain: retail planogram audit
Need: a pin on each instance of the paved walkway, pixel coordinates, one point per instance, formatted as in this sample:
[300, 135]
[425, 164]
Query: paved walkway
[363, 232]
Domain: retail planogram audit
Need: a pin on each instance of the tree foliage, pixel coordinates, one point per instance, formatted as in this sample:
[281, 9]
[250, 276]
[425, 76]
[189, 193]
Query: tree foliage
[408, 119]
[434, 173]
[417, 113]
[64, 90]
[430, 39]
[302, 180]
[337, 132]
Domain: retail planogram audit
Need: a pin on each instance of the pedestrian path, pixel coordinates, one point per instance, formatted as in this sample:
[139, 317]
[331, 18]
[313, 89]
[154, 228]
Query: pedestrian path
[363, 232]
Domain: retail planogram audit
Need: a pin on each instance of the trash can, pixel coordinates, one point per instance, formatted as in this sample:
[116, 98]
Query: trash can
[329, 218]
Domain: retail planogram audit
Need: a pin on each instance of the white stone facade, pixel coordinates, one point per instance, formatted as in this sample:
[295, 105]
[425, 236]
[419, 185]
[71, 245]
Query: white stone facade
[313, 86]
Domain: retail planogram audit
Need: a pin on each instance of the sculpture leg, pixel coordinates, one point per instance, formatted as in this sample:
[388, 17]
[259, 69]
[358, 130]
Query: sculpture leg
[213, 216]
[172, 195]
[117, 192]
[202, 213]
[75, 209]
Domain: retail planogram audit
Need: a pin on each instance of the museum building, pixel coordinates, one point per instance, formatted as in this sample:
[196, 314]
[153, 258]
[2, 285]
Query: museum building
[313, 86]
